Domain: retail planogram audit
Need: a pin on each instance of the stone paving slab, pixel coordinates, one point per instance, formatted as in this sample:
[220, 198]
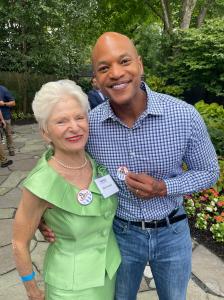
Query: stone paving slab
[5, 171]
[11, 199]
[2, 178]
[143, 285]
[6, 213]
[19, 139]
[194, 292]
[24, 164]
[209, 269]
[21, 156]
[150, 295]
[152, 284]
[18, 145]
[148, 272]
[16, 292]
[11, 288]
[14, 179]
[5, 233]
[37, 142]
[9, 279]
[39, 237]
[7, 264]
[211, 297]
[28, 148]
[25, 129]
[38, 254]
[4, 190]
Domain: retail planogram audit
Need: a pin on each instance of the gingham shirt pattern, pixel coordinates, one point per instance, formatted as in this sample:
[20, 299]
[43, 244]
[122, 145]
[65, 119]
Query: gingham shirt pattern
[168, 133]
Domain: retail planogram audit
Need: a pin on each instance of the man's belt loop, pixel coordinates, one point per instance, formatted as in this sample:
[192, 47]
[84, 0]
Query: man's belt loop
[168, 221]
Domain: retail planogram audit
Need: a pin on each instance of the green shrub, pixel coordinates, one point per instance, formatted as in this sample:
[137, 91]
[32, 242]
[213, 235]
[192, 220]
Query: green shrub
[85, 83]
[21, 116]
[219, 186]
[218, 232]
[158, 84]
[213, 115]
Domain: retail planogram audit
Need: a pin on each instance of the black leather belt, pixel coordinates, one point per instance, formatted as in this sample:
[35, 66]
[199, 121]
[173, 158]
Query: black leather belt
[157, 223]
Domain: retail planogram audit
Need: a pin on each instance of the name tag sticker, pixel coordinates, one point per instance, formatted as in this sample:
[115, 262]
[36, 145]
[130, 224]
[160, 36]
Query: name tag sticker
[107, 186]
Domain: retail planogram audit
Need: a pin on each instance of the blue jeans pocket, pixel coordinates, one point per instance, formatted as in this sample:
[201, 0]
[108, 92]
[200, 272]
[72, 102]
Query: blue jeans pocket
[180, 226]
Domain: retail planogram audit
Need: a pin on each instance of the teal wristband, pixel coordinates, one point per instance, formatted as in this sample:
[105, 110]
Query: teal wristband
[27, 277]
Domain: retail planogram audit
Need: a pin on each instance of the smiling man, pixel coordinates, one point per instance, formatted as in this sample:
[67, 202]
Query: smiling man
[143, 138]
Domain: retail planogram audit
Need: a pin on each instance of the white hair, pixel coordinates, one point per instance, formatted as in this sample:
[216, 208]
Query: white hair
[52, 93]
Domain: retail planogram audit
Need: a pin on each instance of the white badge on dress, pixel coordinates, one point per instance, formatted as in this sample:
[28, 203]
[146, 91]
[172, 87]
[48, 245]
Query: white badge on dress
[106, 185]
[122, 172]
[84, 197]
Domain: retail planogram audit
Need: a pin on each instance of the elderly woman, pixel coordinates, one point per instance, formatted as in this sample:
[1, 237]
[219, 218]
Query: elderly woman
[70, 191]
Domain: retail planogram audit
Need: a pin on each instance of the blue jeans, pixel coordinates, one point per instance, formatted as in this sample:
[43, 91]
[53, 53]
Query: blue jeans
[168, 251]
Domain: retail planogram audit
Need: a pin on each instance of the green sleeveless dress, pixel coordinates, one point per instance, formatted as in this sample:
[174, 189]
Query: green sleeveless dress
[82, 263]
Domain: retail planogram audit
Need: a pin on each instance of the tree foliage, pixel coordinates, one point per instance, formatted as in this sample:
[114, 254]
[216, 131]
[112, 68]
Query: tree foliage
[168, 14]
[197, 59]
[45, 36]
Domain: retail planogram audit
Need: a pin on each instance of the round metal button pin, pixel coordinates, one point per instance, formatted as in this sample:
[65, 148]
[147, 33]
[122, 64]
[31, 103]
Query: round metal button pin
[122, 172]
[84, 197]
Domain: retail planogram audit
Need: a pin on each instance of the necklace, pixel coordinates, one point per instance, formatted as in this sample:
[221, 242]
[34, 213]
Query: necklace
[70, 167]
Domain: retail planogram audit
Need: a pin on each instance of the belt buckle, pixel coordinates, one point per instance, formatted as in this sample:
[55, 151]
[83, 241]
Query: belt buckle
[143, 225]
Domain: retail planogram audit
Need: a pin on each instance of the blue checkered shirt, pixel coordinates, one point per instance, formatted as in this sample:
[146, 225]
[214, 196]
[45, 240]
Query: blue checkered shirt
[168, 133]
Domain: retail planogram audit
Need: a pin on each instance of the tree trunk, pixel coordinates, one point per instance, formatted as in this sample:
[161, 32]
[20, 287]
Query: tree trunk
[187, 10]
[203, 11]
[166, 16]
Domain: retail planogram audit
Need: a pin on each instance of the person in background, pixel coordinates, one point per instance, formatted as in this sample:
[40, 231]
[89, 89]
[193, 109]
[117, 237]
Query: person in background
[4, 162]
[6, 103]
[95, 96]
[83, 261]
[143, 138]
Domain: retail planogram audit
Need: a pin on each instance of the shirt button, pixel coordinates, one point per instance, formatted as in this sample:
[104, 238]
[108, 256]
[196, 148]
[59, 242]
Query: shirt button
[104, 232]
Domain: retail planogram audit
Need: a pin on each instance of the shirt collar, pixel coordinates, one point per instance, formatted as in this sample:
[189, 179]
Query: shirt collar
[154, 106]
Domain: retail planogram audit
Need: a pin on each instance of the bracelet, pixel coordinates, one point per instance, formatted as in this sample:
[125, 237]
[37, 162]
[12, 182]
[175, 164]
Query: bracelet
[27, 277]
